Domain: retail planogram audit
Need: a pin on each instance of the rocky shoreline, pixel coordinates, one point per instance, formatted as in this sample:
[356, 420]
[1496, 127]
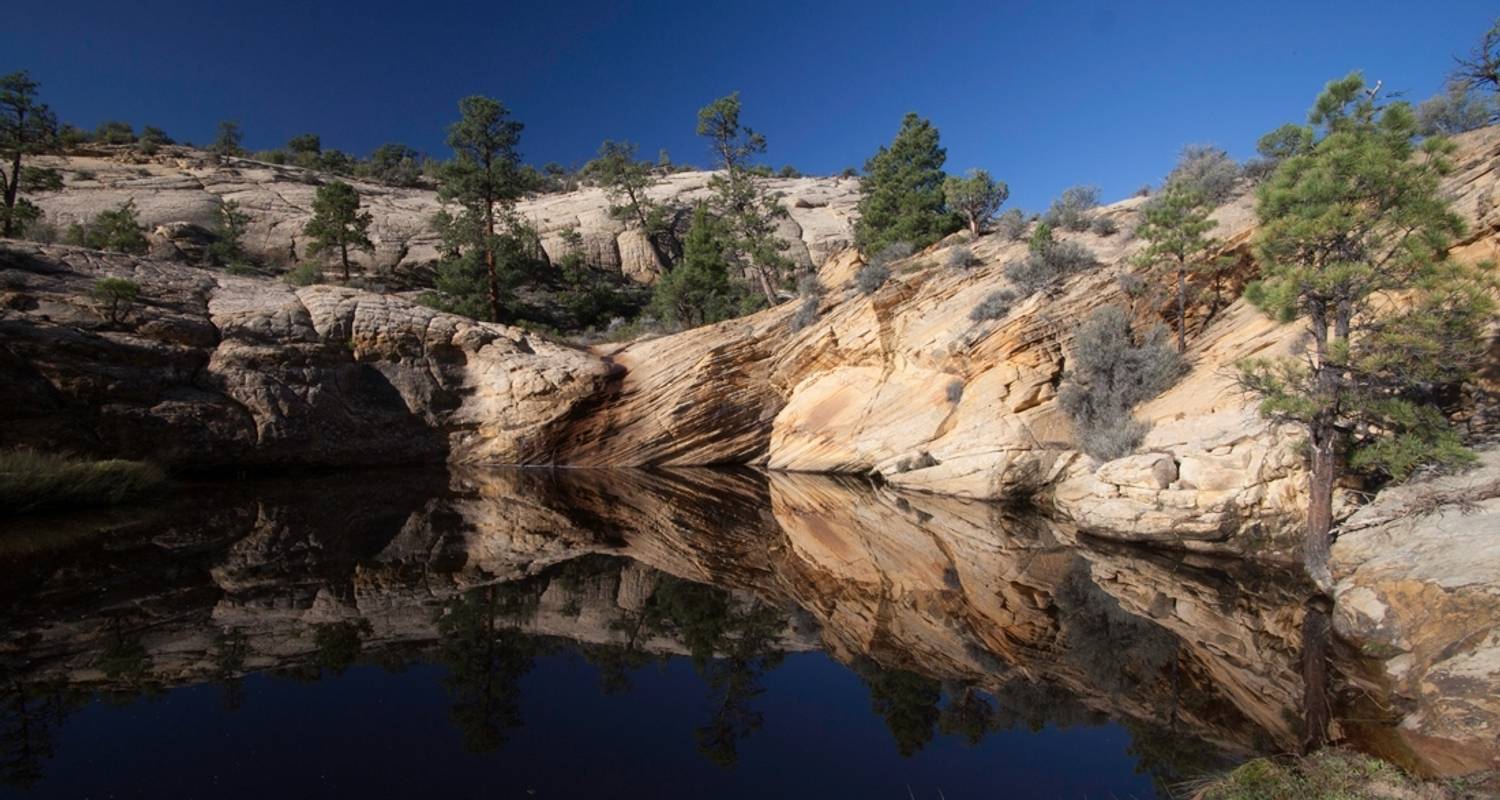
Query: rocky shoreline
[213, 371]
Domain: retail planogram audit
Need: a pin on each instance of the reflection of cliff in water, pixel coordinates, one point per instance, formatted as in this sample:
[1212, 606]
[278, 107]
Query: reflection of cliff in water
[960, 618]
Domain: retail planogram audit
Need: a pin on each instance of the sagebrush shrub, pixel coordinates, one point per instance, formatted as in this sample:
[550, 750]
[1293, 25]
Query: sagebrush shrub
[874, 274]
[812, 296]
[961, 257]
[1048, 264]
[1011, 225]
[1073, 209]
[1113, 371]
[994, 306]
[1207, 170]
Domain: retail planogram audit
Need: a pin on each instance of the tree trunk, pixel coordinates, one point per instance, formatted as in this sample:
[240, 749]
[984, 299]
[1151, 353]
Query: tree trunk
[1315, 544]
[1323, 440]
[1181, 310]
[11, 187]
[489, 258]
[1316, 638]
[765, 286]
[974, 225]
[656, 248]
[344, 259]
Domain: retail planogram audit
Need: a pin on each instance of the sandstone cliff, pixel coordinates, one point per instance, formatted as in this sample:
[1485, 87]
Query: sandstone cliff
[900, 382]
[183, 187]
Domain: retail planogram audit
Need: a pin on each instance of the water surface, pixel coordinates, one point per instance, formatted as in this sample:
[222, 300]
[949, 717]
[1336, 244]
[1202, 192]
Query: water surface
[620, 634]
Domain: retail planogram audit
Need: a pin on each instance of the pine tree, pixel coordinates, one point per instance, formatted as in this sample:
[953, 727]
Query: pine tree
[627, 179]
[1176, 226]
[484, 178]
[27, 127]
[337, 223]
[700, 289]
[902, 194]
[1351, 222]
[228, 247]
[977, 197]
[227, 141]
[750, 211]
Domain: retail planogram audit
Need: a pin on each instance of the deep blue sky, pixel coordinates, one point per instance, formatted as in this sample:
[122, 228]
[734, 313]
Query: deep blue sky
[1043, 94]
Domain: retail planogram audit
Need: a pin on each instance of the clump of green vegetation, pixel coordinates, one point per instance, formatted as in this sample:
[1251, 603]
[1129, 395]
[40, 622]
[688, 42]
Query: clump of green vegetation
[1326, 775]
[306, 274]
[30, 480]
[1048, 261]
[115, 297]
[977, 197]
[902, 197]
[118, 229]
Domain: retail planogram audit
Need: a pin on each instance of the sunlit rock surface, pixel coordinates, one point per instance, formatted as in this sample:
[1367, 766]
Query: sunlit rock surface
[220, 371]
[1419, 588]
[178, 192]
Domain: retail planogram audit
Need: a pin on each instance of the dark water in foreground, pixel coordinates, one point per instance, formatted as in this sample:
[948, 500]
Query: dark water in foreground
[631, 634]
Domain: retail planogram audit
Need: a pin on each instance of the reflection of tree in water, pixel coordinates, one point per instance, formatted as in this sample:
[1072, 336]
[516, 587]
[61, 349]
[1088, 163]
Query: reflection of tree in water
[732, 644]
[485, 662]
[229, 651]
[907, 701]
[339, 644]
[1172, 758]
[1115, 649]
[30, 716]
[127, 665]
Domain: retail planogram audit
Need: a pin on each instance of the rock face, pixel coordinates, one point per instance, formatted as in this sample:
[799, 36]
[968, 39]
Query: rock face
[183, 188]
[209, 370]
[901, 381]
[1417, 588]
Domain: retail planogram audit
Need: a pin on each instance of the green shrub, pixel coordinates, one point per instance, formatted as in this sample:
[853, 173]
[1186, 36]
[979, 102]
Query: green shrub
[114, 132]
[1104, 226]
[30, 480]
[118, 230]
[305, 274]
[1113, 372]
[1325, 775]
[115, 297]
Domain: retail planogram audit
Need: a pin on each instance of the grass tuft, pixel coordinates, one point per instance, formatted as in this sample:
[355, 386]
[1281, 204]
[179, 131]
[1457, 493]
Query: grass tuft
[30, 480]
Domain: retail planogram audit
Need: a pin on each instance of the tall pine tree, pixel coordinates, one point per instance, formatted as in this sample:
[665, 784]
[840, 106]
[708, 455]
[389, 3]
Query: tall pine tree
[1353, 240]
[902, 194]
[484, 178]
[338, 224]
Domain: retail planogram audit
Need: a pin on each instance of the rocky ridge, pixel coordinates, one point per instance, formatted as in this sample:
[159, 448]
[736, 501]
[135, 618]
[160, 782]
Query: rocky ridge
[178, 192]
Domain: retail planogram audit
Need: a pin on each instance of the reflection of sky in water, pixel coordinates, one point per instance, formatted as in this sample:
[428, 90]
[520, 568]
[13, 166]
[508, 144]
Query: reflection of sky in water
[376, 734]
